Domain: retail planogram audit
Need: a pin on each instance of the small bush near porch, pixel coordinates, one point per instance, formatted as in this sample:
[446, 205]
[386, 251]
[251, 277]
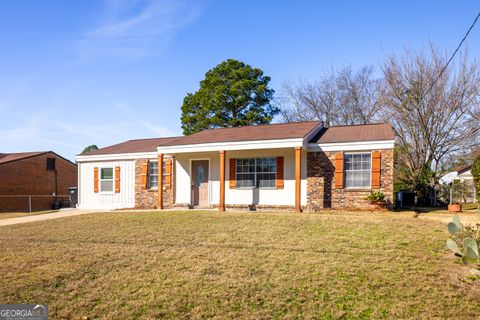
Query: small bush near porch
[237, 265]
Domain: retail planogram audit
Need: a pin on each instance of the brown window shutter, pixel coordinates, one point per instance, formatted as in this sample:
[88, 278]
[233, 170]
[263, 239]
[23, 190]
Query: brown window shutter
[168, 173]
[279, 184]
[376, 164]
[339, 170]
[117, 179]
[143, 174]
[233, 171]
[95, 179]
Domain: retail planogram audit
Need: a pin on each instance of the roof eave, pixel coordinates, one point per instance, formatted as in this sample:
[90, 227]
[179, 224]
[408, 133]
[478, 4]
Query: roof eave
[117, 156]
[230, 146]
[352, 145]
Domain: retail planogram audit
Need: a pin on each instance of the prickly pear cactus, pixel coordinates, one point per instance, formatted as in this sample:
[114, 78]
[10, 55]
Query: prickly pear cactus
[452, 228]
[456, 221]
[452, 246]
[470, 247]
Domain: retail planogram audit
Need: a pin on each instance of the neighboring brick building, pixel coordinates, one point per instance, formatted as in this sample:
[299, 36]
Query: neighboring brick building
[287, 166]
[35, 174]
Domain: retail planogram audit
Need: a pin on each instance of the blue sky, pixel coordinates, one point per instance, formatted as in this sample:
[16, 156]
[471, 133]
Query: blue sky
[75, 73]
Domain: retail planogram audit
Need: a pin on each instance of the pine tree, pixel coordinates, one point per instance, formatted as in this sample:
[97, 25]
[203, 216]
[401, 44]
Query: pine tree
[232, 94]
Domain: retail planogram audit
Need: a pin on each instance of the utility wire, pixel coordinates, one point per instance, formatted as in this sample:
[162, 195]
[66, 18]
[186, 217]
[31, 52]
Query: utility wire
[453, 55]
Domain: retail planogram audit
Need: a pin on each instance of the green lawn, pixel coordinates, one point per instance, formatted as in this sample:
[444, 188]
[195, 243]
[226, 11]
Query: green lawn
[187, 265]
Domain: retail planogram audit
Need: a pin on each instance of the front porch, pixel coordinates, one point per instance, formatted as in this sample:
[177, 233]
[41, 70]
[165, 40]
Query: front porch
[273, 178]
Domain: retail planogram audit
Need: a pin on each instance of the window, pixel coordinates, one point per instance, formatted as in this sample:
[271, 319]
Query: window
[106, 179]
[51, 164]
[153, 174]
[256, 172]
[358, 170]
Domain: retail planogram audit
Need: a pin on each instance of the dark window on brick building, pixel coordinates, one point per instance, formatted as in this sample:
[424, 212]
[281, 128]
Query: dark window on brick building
[51, 164]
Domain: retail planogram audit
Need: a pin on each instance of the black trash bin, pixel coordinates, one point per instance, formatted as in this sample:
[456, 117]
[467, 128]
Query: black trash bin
[73, 193]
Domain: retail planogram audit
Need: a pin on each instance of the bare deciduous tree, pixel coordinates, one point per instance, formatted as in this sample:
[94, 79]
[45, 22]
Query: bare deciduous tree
[432, 112]
[339, 97]
[358, 96]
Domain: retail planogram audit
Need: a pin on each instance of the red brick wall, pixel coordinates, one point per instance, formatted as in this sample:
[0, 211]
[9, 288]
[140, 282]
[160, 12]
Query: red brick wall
[321, 192]
[30, 177]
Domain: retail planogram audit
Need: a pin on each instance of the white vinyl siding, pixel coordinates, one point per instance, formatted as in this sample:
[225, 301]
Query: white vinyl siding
[242, 196]
[88, 199]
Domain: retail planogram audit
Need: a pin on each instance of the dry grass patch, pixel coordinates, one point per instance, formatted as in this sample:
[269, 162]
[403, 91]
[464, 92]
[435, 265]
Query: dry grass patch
[468, 217]
[236, 265]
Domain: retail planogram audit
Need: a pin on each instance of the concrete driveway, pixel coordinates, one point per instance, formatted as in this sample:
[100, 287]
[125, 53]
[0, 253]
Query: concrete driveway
[46, 216]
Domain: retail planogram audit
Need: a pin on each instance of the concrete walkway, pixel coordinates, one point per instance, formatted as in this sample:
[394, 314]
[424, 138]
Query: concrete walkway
[46, 216]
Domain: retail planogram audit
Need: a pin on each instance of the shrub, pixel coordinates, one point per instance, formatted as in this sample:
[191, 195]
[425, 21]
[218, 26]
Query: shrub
[376, 196]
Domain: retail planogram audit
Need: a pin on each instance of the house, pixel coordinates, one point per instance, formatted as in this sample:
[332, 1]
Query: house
[31, 181]
[461, 174]
[461, 182]
[293, 166]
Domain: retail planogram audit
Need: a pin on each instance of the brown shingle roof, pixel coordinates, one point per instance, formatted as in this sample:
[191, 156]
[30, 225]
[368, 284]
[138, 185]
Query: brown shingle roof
[132, 146]
[463, 169]
[380, 131]
[248, 133]
[9, 157]
[355, 133]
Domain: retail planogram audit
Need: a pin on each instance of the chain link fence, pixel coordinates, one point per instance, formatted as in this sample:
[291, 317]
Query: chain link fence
[457, 192]
[30, 203]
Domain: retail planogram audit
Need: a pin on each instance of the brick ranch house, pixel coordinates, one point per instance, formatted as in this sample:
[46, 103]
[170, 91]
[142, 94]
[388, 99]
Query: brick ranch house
[294, 166]
[35, 174]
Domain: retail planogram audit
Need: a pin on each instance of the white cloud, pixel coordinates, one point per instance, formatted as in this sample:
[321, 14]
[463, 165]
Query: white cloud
[157, 130]
[134, 29]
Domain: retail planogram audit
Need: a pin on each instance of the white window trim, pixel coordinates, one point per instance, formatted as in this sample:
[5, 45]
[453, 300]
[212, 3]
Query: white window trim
[163, 176]
[100, 180]
[255, 174]
[345, 171]
[148, 175]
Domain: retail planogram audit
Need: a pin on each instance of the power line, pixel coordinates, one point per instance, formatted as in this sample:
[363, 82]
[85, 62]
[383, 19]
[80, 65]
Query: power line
[453, 55]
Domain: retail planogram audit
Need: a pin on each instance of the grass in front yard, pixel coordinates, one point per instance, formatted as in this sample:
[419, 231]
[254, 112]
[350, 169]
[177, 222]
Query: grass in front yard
[8, 215]
[236, 265]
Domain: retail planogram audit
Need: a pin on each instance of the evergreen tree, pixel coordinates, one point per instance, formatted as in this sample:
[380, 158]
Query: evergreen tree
[232, 94]
[91, 147]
